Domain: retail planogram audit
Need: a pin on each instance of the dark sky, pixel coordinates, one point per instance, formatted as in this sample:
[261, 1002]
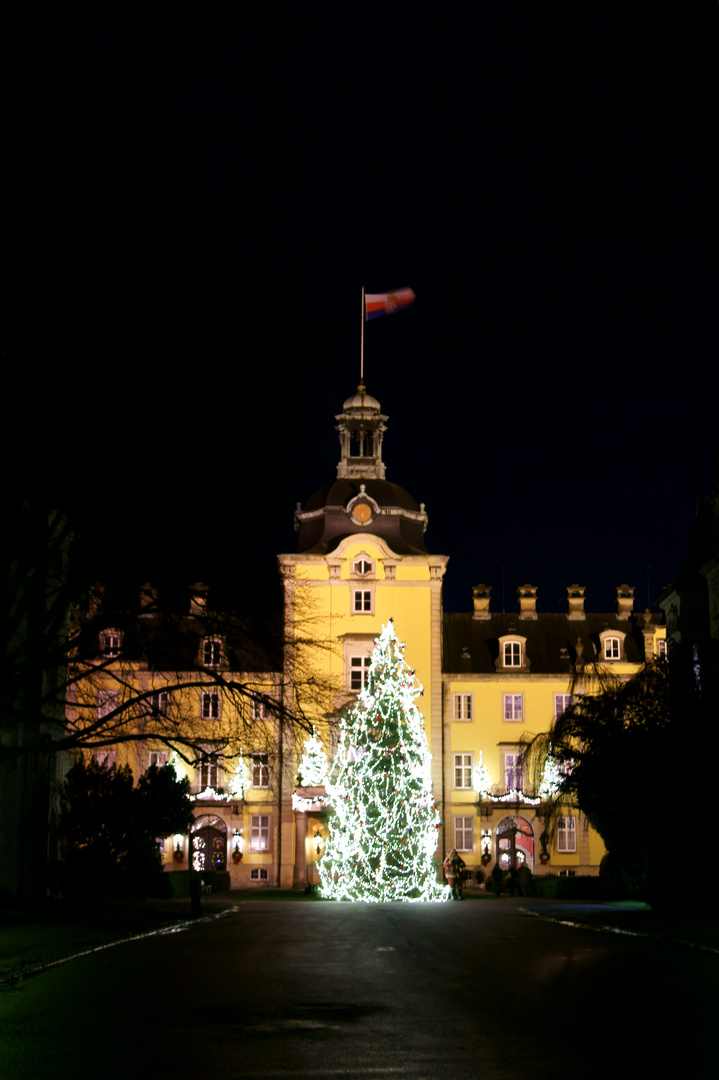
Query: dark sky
[202, 191]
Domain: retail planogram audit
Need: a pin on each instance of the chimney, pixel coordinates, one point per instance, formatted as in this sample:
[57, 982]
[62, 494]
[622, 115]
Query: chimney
[95, 598]
[625, 601]
[480, 596]
[198, 598]
[148, 596]
[527, 601]
[575, 601]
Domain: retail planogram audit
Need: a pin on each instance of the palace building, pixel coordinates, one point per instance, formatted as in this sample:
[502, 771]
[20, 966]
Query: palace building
[489, 678]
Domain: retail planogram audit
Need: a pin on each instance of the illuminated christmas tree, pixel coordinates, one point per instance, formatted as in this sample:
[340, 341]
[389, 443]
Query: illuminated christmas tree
[384, 827]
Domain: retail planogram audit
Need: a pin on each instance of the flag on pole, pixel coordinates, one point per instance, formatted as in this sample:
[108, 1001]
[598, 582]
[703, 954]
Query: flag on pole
[377, 304]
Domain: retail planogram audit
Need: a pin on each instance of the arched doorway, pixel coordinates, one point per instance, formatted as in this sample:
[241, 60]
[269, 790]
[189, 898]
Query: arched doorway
[515, 844]
[209, 843]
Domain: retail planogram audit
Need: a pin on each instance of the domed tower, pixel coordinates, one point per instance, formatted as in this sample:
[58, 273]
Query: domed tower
[360, 561]
[360, 500]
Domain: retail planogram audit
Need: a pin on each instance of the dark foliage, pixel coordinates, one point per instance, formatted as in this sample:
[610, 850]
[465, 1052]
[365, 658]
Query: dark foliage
[110, 827]
[623, 748]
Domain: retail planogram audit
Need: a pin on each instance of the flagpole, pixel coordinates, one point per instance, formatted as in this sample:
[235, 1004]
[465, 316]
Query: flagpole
[362, 342]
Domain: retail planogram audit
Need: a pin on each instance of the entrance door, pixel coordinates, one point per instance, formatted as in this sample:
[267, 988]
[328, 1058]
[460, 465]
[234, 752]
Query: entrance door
[209, 843]
[515, 844]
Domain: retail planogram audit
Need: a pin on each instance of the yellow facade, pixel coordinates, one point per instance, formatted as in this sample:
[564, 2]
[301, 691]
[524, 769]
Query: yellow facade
[489, 681]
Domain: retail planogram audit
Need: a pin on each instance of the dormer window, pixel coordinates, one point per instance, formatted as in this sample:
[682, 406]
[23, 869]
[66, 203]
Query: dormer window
[611, 645]
[512, 654]
[611, 648]
[211, 652]
[362, 566]
[111, 641]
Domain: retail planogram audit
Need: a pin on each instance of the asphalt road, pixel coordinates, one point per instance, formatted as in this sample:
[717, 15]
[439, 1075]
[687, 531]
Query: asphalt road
[367, 992]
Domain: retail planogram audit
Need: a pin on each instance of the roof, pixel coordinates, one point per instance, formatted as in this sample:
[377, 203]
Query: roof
[471, 645]
[323, 522]
[168, 641]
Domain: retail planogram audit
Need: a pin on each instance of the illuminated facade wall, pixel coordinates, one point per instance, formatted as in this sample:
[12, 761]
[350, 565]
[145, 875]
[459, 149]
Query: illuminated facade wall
[489, 680]
[506, 677]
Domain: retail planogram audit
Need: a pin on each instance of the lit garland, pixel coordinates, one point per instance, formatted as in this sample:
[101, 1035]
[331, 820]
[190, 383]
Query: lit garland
[383, 831]
[314, 765]
[515, 795]
[309, 803]
[208, 794]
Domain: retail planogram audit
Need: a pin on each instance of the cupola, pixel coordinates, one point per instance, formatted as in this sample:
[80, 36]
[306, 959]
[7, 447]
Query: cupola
[361, 500]
[361, 427]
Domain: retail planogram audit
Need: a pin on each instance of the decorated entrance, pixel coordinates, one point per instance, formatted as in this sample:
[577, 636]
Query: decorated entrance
[209, 843]
[515, 844]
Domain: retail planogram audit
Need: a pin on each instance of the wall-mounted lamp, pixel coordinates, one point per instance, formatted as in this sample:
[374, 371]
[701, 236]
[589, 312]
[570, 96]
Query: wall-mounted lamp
[238, 846]
[318, 841]
[178, 841]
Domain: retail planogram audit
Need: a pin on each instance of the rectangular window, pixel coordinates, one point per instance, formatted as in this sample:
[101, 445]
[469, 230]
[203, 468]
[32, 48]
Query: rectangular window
[259, 874]
[662, 647]
[359, 671]
[260, 709]
[462, 706]
[158, 757]
[159, 700]
[261, 770]
[513, 775]
[512, 654]
[561, 702]
[107, 702]
[463, 770]
[513, 707]
[210, 704]
[463, 836]
[362, 601]
[209, 770]
[260, 833]
[567, 834]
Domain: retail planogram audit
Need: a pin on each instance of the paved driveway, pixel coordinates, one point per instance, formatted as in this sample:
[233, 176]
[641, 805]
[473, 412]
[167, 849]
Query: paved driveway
[358, 991]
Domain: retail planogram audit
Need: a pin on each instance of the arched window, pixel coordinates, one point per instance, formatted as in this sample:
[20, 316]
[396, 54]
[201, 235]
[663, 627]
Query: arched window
[612, 645]
[512, 653]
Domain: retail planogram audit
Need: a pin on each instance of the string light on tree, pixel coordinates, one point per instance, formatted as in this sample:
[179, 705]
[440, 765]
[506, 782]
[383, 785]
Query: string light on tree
[481, 780]
[383, 831]
[240, 779]
[551, 778]
[314, 766]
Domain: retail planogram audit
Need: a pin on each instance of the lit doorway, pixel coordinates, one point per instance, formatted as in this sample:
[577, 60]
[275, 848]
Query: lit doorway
[209, 843]
[515, 844]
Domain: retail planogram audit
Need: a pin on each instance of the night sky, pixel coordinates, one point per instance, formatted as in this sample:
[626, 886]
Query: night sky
[201, 191]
